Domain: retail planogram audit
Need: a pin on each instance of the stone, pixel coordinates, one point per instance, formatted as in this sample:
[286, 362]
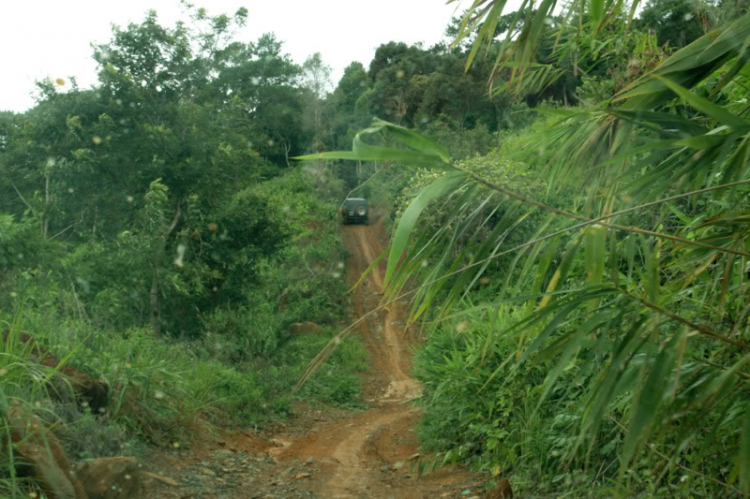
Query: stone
[42, 451]
[111, 478]
[501, 491]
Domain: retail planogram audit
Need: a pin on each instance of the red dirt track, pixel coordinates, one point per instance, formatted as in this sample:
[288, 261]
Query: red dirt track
[362, 454]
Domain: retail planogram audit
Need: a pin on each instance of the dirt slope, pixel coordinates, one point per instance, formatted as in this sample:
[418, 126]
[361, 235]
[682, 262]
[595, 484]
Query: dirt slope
[364, 454]
[365, 447]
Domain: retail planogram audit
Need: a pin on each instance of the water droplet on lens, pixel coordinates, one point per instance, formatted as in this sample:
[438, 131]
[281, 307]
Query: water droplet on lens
[180, 255]
[84, 284]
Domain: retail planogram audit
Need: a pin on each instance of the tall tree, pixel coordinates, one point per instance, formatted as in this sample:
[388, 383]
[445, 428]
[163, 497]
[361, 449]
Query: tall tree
[677, 23]
[183, 120]
[316, 78]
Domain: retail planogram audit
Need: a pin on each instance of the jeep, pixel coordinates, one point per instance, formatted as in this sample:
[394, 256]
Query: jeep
[354, 210]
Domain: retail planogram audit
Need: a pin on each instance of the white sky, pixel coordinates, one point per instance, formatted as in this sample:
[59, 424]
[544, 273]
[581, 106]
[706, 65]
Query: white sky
[41, 38]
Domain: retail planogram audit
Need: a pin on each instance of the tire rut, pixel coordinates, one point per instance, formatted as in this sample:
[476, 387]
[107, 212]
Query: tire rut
[333, 454]
[369, 452]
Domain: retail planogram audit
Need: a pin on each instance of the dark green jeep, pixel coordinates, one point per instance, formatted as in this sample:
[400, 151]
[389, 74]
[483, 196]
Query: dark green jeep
[354, 210]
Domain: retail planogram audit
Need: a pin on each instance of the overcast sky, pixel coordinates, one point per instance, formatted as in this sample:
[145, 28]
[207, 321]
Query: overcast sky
[41, 38]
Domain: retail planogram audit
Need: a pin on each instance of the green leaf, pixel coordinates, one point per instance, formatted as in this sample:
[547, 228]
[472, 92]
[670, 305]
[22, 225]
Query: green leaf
[407, 137]
[422, 151]
[738, 163]
[649, 400]
[570, 344]
[369, 269]
[596, 11]
[653, 278]
[487, 31]
[660, 122]
[561, 273]
[442, 186]
[541, 270]
[633, 8]
[743, 458]
[705, 106]
[595, 249]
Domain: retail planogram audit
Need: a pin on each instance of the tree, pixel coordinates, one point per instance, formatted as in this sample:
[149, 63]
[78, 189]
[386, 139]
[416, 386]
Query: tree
[316, 78]
[183, 120]
[677, 23]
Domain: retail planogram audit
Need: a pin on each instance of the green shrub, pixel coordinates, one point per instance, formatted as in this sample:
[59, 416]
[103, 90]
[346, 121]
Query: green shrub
[482, 408]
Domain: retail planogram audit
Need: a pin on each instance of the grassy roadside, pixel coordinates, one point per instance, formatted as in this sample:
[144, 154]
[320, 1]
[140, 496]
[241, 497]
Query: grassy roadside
[239, 372]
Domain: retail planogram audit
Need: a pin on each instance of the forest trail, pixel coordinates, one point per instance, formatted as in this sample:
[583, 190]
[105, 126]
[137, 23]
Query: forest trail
[358, 454]
[368, 453]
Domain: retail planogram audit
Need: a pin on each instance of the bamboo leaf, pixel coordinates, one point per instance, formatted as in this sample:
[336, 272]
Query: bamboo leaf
[633, 8]
[601, 392]
[442, 186]
[369, 269]
[561, 272]
[705, 106]
[649, 400]
[595, 249]
[743, 457]
[421, 151]
[660, 122]
[572, 343]
[596, 11]
[739, 161]
[653, 279]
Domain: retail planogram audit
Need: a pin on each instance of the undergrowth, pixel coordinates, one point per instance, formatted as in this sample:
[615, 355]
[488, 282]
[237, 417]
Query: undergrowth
[164, 389]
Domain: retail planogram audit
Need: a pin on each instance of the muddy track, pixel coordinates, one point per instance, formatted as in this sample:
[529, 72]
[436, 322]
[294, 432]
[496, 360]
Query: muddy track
[362, 454]
[371, 454]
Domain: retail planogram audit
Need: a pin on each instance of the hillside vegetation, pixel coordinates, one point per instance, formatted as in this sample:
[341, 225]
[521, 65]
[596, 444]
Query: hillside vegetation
[583, 289]
[569, 204]
[154, 238]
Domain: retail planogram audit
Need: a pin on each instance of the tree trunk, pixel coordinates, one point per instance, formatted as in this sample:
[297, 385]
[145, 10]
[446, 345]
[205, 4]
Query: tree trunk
[287, 148]
[159, 254]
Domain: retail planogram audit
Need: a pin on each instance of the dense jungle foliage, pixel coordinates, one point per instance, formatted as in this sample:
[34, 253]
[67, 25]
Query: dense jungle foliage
[569, 199]
[582, 289]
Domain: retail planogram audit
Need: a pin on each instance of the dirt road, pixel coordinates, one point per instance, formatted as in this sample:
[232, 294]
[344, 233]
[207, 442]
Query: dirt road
[363, 454]
[369, 453]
